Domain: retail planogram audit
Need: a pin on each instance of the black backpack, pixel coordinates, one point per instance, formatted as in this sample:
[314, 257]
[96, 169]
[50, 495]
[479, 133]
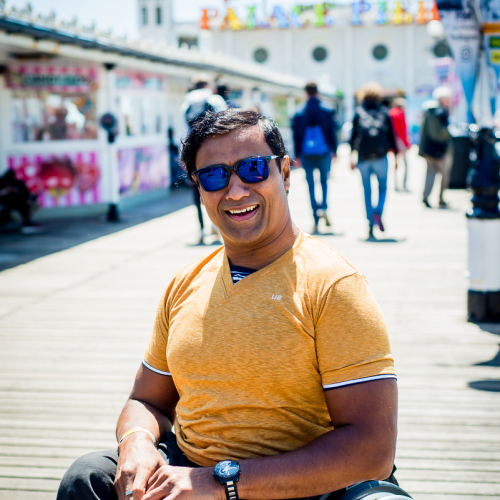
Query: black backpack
[197, 110]
[372, 140]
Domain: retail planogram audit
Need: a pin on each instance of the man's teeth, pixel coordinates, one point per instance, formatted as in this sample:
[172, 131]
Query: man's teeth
[248, 209]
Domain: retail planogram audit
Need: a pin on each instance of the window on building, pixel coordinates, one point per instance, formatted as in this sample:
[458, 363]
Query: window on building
[189, 41]
[319, 54]
[380, 52]
[144, 16]
[52, 116]
[260, 55]
[158, 15]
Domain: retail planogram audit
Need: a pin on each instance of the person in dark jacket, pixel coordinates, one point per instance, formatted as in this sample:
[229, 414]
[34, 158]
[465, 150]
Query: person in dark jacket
[436, 144]
[372, 138]
[315, 142]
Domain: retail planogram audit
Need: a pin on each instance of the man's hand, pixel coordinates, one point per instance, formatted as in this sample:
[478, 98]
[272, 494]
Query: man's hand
[184, 483]
[353, 166]
[139, 460]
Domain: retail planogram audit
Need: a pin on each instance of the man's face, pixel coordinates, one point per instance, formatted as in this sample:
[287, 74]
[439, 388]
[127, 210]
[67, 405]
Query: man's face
[445, 102]
[268, 199]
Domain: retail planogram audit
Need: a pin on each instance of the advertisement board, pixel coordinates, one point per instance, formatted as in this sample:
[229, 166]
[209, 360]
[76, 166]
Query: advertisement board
[62, 180]
[143, 169]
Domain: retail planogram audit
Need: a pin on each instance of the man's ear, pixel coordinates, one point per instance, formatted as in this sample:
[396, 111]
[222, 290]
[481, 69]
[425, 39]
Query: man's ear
[195, 180]
[285, 171]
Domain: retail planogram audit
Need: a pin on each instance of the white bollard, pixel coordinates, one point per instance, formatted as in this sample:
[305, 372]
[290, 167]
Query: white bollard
[484, 270]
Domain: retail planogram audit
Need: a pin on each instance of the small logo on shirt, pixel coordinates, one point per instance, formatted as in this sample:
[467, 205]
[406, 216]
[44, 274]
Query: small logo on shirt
[276, 297]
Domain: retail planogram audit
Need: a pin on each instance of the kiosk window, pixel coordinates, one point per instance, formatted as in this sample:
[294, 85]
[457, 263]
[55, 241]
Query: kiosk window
[53, 116]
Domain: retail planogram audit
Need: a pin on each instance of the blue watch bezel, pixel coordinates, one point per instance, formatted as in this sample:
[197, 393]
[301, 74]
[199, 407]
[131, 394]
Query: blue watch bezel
[224, 479]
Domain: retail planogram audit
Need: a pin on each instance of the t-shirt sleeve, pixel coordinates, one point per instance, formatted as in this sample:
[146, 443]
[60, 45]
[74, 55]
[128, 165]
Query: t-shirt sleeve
[155, 357]
[352, 342]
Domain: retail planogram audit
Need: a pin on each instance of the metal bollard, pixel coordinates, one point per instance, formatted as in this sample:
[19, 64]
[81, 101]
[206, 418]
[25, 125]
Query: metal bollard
[483, 301]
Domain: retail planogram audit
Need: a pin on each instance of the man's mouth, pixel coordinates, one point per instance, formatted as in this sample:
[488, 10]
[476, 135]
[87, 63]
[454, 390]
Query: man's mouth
[242, 213]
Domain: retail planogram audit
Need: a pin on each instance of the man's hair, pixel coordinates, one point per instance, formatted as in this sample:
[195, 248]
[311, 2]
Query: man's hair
[371, 91]
[399, 102]
[311, 88]
[223, 123]
[441, 92]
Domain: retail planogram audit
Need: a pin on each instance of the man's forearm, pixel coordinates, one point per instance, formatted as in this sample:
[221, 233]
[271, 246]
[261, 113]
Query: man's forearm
[331, 462]
[139, 414]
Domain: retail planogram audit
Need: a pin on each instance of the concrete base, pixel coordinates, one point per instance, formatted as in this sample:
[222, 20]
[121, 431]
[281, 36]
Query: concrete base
[483, 307]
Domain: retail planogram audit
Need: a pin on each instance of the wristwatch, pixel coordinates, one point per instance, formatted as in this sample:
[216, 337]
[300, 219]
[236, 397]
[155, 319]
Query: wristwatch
[227, 473]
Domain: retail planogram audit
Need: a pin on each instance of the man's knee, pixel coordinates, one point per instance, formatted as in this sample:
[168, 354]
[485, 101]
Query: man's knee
[90, 477]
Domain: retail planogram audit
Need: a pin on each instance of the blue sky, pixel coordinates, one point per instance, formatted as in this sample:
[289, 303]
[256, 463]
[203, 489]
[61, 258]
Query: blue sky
[104, 12]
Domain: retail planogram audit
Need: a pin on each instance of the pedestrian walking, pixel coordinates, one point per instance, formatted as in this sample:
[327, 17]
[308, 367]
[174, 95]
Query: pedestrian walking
[372, 138]
[436, 144]
[315, 142]
[197, 103]
[398, 118]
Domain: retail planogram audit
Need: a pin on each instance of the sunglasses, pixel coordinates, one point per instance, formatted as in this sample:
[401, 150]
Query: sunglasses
[250, 170]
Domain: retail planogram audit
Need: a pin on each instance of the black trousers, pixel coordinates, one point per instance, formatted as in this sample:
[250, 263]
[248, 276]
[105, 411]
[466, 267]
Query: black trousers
[92, 476]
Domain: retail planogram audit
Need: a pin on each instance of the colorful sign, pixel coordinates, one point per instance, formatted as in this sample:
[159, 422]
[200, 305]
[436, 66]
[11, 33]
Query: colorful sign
[143, 169]
[318, 15]
[490, 13]
[52, 78]
[64, 180]
[138, 81]
[464, 38]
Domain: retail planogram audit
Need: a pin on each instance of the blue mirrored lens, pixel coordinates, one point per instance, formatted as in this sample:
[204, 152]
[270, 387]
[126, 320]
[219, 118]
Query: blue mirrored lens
[213, 178]
[253, 169]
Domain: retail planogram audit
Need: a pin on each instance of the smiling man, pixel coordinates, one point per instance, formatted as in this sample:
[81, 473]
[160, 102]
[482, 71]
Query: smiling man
[270, 356]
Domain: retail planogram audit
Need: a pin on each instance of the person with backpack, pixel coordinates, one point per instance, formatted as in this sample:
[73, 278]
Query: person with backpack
[197, 103]
[315, 141]
[436, 144]
[372, 138]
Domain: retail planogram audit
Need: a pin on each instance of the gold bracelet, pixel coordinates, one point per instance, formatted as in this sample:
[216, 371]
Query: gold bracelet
[135, 429]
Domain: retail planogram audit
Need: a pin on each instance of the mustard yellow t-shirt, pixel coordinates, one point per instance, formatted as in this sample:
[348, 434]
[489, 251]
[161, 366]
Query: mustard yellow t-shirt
[251, 361]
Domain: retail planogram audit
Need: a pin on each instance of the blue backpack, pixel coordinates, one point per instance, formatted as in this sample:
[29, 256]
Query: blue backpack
[314, 143]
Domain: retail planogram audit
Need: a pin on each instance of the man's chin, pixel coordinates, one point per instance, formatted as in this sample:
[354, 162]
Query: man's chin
[245, 237]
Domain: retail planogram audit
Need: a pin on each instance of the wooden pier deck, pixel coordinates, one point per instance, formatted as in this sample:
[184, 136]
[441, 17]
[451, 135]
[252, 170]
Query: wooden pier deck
[73, 326]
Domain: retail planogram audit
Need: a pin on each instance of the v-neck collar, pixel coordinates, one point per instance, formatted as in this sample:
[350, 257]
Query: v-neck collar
[227, 281]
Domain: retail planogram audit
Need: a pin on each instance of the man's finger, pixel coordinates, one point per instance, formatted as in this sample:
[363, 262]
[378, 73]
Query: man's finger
[139, 486]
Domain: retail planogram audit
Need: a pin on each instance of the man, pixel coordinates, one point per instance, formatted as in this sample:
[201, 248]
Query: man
[315, 143]
[436, 144]
[271, 351]
[197, 103]
[372, 138]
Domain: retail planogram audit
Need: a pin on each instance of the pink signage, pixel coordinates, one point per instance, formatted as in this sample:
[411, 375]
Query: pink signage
[126, 80]
[61, 180]
[52, 78]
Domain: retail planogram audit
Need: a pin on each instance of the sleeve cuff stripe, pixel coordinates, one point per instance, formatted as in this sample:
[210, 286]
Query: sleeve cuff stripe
[356, 381]
[147, 365]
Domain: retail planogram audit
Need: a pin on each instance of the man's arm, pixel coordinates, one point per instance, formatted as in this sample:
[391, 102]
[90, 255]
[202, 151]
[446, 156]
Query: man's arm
[151, 405]
[361, 447]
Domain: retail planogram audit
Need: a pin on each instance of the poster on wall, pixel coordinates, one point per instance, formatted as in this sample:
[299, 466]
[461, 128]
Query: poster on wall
[143, 169]
[464, 38]
[63, 180]
[490, 14]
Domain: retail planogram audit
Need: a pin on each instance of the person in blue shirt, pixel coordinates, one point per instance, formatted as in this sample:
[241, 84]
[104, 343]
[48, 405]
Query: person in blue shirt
[315, 143]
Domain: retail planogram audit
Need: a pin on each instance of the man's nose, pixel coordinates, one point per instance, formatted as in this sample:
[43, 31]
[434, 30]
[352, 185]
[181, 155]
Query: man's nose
[236, 189]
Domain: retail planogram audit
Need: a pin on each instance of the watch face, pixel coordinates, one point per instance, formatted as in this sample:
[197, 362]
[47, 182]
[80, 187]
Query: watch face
[227, 468]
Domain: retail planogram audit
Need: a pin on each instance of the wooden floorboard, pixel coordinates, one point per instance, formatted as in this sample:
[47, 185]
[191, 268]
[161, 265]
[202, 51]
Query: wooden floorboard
[73, 327]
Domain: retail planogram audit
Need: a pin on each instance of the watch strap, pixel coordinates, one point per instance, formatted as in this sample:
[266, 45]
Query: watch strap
[231, 491]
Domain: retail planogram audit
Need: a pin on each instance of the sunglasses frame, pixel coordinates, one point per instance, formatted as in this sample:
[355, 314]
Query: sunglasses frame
[234, 169]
